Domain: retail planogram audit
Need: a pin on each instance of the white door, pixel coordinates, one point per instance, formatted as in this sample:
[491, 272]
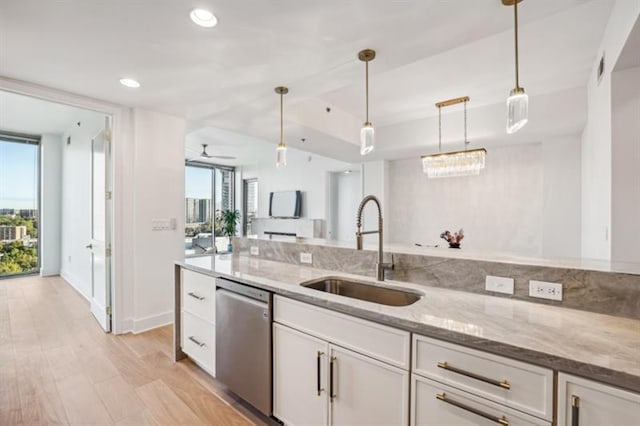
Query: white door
[299, 377]
[367, 391]
[583, 402]
[100, 227]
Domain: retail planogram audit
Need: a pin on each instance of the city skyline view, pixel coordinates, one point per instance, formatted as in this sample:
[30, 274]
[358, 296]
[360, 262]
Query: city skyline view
[18, 160]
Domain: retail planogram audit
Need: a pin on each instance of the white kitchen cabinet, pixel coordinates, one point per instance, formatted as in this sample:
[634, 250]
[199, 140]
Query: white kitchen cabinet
[583, 402]
[197, 322]
[319, 382]
[299, 377]
[366, 391]
[436, 404]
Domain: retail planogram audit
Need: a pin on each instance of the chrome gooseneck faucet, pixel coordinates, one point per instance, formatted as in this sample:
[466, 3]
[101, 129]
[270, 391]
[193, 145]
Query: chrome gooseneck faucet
[380, 266]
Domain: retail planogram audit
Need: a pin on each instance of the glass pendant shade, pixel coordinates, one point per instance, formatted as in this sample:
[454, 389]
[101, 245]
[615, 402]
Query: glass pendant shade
[281, 155]
[517, 110]
[460, 163]
[367, 139]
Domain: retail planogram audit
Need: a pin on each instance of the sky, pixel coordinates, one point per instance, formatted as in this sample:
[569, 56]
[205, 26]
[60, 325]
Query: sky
[197, 182]
[18, 165]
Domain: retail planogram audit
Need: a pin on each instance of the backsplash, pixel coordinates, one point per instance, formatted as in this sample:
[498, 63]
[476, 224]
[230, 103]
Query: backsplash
[609, 293]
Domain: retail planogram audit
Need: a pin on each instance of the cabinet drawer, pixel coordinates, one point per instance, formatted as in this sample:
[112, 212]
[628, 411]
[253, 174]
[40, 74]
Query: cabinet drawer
[438, 404]
[378, 341]
[198, 341]
[517, 384]
[198, 294]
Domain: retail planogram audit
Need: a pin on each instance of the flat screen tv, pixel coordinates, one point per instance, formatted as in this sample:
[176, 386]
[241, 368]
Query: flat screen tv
[285, 204]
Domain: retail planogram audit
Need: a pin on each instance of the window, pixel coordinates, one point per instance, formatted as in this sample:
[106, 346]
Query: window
[250, 205]
[209, 190]
[19, 200]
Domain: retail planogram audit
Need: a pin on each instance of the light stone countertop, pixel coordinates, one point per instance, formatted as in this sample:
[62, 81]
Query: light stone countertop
[595, 346]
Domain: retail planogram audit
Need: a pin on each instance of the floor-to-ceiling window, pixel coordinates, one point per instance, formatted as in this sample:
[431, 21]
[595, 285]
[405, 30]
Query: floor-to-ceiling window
[19, 201]
[250, 204]
[209, 191]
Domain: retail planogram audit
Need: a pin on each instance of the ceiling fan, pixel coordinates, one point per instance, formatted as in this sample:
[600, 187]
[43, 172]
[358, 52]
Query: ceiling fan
[204, 155]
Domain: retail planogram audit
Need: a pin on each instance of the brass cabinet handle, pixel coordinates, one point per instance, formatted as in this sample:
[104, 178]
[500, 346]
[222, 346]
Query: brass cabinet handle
[318, 357]
[500, 420]
[197, 342]
[331, 394]
[195, 296]
[500, 383]
[575, 410]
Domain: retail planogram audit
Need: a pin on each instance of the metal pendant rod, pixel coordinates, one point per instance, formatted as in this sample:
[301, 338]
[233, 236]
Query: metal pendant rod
[366, 79]
[466, 140]
[281, 118]
[515, 17]
[439, 128]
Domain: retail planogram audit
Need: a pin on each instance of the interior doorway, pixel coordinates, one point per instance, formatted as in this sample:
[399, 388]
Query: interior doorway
[66, 185]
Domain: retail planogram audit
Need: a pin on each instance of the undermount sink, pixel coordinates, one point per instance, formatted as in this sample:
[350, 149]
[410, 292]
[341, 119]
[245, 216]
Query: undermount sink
[365, 291]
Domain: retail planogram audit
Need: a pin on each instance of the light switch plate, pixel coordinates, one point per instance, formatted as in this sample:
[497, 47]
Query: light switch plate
[306, 258]
[254, 250]
[498, 284]
[160, 224]
[545, 290]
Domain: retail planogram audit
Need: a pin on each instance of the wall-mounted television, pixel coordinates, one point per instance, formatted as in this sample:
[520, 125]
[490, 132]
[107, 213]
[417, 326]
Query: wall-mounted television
[285, 204]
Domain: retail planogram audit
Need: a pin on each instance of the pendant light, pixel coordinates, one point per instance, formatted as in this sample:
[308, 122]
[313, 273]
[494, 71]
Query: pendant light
[455, 163]
[281, 150]
[518, 101]
[367, 133]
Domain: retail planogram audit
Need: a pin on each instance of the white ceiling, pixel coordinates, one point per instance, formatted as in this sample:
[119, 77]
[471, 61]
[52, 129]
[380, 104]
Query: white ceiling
[428, 50]
[24, 114]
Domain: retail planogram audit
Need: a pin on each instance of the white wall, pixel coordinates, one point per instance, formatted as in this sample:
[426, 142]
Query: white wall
[375, 181]
[504, 209]
[346, 193]
[158, 193]
[596, 137]
[561, 203]
[51, 204]
[75, 264]
[304, 172]
[625, 196]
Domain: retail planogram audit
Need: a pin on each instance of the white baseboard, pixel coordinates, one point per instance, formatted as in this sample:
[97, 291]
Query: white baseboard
[154, 321]
[49, 273]
[73, 282]
[125, 326]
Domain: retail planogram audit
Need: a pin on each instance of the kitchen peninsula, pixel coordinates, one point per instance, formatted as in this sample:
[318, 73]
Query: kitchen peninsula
[563, 343]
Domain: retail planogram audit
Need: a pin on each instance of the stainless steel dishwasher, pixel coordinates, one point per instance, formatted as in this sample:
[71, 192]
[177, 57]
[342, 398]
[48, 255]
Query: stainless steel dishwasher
[243, 342]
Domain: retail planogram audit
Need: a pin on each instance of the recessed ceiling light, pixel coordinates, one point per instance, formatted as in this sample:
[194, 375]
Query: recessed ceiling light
[204, 18]
[129, 82]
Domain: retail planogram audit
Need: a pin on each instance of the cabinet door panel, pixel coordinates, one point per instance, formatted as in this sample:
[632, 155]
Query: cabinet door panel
[295, 377]
[366, 391]
[460, 408]
[598, 404]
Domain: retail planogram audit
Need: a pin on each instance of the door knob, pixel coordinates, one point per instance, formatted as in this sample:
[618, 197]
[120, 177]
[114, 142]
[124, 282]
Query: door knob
[90, 246]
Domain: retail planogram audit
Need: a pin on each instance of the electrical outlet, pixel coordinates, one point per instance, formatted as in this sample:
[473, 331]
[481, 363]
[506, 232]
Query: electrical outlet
[254, 250]
[306, 258]
[498, 284]
[545, 290]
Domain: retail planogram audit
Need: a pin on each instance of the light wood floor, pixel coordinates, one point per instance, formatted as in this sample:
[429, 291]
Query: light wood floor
[58, 367]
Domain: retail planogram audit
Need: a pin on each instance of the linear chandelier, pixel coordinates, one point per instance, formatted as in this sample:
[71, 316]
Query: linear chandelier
[455, 163]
